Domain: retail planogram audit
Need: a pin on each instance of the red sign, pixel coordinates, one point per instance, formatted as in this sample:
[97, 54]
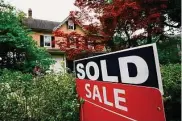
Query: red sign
[121, 86]
[106, 101]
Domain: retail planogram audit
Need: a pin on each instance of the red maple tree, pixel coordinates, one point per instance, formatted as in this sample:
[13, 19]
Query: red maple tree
[108, 18]
[125, 17]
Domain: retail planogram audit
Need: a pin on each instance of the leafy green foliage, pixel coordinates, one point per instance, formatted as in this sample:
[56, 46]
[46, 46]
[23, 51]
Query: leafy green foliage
[18, 50]
[171, 75]
[50, 97]
[13, 87]
[169, 50]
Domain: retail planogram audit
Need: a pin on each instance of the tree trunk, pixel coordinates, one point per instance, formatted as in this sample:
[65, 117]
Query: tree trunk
[149, 36]
[128, 36]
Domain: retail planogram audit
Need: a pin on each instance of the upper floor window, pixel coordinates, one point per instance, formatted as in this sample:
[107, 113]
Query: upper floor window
[73, 42]
[90, 45]
[47, 41]
[71, 25]
[97, 1]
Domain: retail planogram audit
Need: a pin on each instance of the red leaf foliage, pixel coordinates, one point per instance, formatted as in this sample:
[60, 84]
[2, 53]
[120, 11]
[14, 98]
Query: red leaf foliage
[125, 15]
[107, 18]
[75, 44]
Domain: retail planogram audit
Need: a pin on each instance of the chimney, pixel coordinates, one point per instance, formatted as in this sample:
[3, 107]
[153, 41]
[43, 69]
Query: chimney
[29, 13]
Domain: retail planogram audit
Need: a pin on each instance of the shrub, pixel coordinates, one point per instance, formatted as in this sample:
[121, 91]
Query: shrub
[51, 97]
[169, 50]
[171, 74]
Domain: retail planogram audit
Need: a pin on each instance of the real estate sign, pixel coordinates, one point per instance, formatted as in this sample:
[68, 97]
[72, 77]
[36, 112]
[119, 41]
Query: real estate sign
[122, 85]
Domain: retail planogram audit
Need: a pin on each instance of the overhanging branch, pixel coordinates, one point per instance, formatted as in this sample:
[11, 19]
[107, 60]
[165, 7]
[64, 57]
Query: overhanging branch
[170, 25]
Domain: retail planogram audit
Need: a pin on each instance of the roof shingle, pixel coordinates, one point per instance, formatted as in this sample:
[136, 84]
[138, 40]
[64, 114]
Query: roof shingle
[38, 24]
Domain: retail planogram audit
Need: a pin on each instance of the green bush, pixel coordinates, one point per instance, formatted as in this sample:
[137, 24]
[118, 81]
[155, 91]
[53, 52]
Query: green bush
[48, 98]
[169, 50]
[171, 75]
[52, 97]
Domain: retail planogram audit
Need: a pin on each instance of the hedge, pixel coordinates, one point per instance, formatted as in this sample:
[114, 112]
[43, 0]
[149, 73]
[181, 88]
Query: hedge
[48, 98]
[53, 97]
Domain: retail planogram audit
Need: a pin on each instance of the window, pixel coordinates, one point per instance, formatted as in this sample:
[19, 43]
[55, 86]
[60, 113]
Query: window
[90, 45]
[47, 41]
[72, 41]
[71, 25]
[97, 1]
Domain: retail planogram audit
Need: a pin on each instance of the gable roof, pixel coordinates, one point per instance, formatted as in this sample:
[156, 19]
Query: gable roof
[58, 26]
[84, 27]
[66, 19]
[42, 25]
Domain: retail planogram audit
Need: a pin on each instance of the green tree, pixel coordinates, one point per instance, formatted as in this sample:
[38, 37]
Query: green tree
[169, 50]
[18, 50]
[171, 74]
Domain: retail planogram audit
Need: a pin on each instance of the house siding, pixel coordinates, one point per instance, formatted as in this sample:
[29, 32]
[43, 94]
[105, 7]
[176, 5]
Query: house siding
[78, 29]
[36, 37]
[64, 28]
[60, 61]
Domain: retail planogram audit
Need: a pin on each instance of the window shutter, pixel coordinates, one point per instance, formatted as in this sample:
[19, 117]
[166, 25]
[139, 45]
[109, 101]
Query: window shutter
[76, 42]
[67, 24]
[86, 43]
[74, 26]
[53, 41]
[41, 41]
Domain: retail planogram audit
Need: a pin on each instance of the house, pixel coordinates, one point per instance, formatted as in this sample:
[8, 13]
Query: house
[42, 34]
[70, 25]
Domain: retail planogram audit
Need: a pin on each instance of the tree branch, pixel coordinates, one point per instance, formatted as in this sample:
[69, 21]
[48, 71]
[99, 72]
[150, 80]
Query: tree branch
[177, 26]
[3, 32]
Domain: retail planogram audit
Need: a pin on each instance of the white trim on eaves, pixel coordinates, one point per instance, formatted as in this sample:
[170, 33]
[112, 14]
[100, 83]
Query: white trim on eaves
[55, 28]
[66, 19]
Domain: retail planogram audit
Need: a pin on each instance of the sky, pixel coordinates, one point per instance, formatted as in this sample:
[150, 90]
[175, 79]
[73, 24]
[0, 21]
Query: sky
[53, 10]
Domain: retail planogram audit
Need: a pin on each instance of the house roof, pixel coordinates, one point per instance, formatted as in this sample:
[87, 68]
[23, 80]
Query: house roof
[66, 19]
[42, 25]
[84, 27]
[60, 24]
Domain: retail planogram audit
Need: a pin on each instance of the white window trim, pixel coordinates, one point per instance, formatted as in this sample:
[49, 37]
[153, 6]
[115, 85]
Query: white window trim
[50, 41]
[88, 1]
[71, 25]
